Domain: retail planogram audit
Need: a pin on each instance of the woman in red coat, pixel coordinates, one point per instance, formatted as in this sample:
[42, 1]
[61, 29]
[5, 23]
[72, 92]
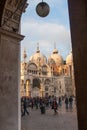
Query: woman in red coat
[55, 105]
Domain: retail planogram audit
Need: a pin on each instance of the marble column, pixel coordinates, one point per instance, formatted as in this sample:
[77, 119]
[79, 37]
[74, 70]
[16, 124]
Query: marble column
[10, 118]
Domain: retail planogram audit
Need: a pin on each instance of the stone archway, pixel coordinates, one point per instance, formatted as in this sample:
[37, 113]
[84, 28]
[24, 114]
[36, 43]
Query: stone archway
[36, 82]
[9, 73]
[10, 17]
[36, 87]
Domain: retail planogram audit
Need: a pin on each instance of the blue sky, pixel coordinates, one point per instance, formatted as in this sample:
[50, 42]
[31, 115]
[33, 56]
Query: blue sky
[48, 30]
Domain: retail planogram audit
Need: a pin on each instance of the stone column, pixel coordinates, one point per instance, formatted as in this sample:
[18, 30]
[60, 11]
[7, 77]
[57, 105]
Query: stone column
[78, 24]
[10, 117]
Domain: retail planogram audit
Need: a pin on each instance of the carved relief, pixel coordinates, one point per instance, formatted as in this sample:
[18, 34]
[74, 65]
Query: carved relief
[11, 25]
[16, 17]
[12, 14]
[17, 3]
[8, 13]
[32, 66]
[9, 22]
[12, 2]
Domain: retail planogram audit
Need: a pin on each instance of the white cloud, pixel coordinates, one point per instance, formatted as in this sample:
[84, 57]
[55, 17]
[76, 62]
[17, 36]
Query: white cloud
[46, 34]
[46, 31]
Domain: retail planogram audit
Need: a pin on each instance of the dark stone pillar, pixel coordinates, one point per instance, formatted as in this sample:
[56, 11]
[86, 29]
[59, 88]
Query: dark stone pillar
[78, 24]
[10, 117]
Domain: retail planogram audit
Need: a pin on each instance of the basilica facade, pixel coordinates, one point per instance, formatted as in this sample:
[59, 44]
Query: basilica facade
[42, 76]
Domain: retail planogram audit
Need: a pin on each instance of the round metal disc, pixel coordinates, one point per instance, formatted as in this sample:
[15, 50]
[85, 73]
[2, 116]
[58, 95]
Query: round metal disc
[42, 9]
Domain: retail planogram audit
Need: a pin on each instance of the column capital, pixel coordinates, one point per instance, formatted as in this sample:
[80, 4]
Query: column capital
[11, 34]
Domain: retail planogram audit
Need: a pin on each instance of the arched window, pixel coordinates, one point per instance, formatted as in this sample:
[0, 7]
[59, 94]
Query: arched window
[36, 83]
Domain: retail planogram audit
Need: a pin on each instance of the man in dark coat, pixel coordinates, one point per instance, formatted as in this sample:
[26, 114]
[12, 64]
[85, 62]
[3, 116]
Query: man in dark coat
[70, 102]
[66, 103]
[25, 107]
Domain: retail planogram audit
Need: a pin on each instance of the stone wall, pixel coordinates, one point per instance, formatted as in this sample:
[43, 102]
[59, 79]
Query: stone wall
[9, 80]
[78, 24]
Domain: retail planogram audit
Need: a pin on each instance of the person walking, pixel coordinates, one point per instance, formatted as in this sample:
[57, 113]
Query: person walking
[25, 107]
[55, 106]
[70, 102]
[60, 102]
[42, 107]
[66, 103]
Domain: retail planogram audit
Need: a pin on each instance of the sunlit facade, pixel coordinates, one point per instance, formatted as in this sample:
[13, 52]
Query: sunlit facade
[47, 77]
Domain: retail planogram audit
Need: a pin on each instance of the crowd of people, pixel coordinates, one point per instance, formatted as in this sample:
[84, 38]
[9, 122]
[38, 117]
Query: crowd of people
[46, 102]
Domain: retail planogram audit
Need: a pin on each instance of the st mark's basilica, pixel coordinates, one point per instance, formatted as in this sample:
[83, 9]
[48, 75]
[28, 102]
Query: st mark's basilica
[42, 76]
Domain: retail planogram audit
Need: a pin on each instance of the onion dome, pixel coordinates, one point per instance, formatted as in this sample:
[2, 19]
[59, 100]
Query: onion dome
[55, 51]
[38, 58]
[56, 58]
[69, 59]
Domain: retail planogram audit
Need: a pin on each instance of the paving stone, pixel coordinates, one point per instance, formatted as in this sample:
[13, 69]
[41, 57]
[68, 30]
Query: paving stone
[62, 121]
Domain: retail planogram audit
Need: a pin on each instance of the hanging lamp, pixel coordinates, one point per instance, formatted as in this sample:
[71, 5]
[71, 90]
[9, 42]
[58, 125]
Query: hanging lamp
[42, 9]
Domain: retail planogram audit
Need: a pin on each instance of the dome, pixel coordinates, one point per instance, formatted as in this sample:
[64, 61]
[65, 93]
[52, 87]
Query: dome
[38, 58]
[55, 51]
[69, 59]
[55, 58]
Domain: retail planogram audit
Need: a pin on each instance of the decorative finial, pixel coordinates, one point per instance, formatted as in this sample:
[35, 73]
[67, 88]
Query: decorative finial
[55, 51]
[38, 48]
[24, 54]
[54, 45]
